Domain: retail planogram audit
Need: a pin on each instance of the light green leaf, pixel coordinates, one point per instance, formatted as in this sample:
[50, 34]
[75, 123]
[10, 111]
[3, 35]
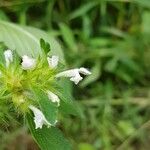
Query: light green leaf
[17, 38]
[25, 40]
[48, 138]
[54, 45]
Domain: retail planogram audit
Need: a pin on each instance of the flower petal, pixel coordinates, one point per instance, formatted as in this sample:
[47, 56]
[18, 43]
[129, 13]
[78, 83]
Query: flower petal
[74, 74]
[68, 73]
[8, 57]
[53, 61]
[39, 118]
[84, 71]
[76, 79]
[28, 63]
[53, 97]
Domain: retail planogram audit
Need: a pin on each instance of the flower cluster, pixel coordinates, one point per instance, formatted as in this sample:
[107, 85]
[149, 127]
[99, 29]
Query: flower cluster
[37, 72]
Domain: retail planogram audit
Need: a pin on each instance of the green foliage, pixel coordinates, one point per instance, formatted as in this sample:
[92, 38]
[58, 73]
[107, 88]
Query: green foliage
[45, 46]
[14, 85]
[26, 39]
[48, 138]
[112, 38]
[16, 35]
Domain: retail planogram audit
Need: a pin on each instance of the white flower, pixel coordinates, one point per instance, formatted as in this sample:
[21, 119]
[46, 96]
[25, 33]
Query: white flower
[74, 74]
[76, 79]
[53, 97]
[39, 118]
[53, 61]
[28, 63]
[84, 71]
[8, 57]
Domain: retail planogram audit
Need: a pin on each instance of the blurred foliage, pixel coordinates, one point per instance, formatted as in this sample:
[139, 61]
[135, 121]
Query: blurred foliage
[112, 38]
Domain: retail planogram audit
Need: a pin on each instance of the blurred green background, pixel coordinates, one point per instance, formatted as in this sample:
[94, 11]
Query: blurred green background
[112, 39]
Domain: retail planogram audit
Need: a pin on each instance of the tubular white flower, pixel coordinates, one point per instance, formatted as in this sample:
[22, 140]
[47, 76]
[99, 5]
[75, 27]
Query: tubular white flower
[28, 63]
[76, 79]
[84, 71]
[8, 57]
[39, 118]
[74, 74]
[53, 61]
[53, 97]
[68, 73]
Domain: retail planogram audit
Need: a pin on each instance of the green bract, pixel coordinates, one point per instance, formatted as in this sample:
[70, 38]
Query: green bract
[19, 83]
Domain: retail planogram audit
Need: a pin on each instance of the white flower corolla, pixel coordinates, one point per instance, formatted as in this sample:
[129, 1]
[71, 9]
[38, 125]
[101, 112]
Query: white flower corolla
[53, 61]
[39, 118]
[56, 121]
[74, 74]
[76, 79]
[53, 97]
[8, 57]
[28, 63]
[84, 71]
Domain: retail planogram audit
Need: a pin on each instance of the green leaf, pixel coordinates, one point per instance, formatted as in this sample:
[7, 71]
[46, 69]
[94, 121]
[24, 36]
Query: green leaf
[68, 36]
[68, 106]
[2, 47]
[82, 10]
[45, 46]
[3, 16]
[99, 42]
[111, 65]
[25, 40]
[124, 76]
[54, 45]
[49, 109]
[114, 31]
[17, 38]
[48, 138]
